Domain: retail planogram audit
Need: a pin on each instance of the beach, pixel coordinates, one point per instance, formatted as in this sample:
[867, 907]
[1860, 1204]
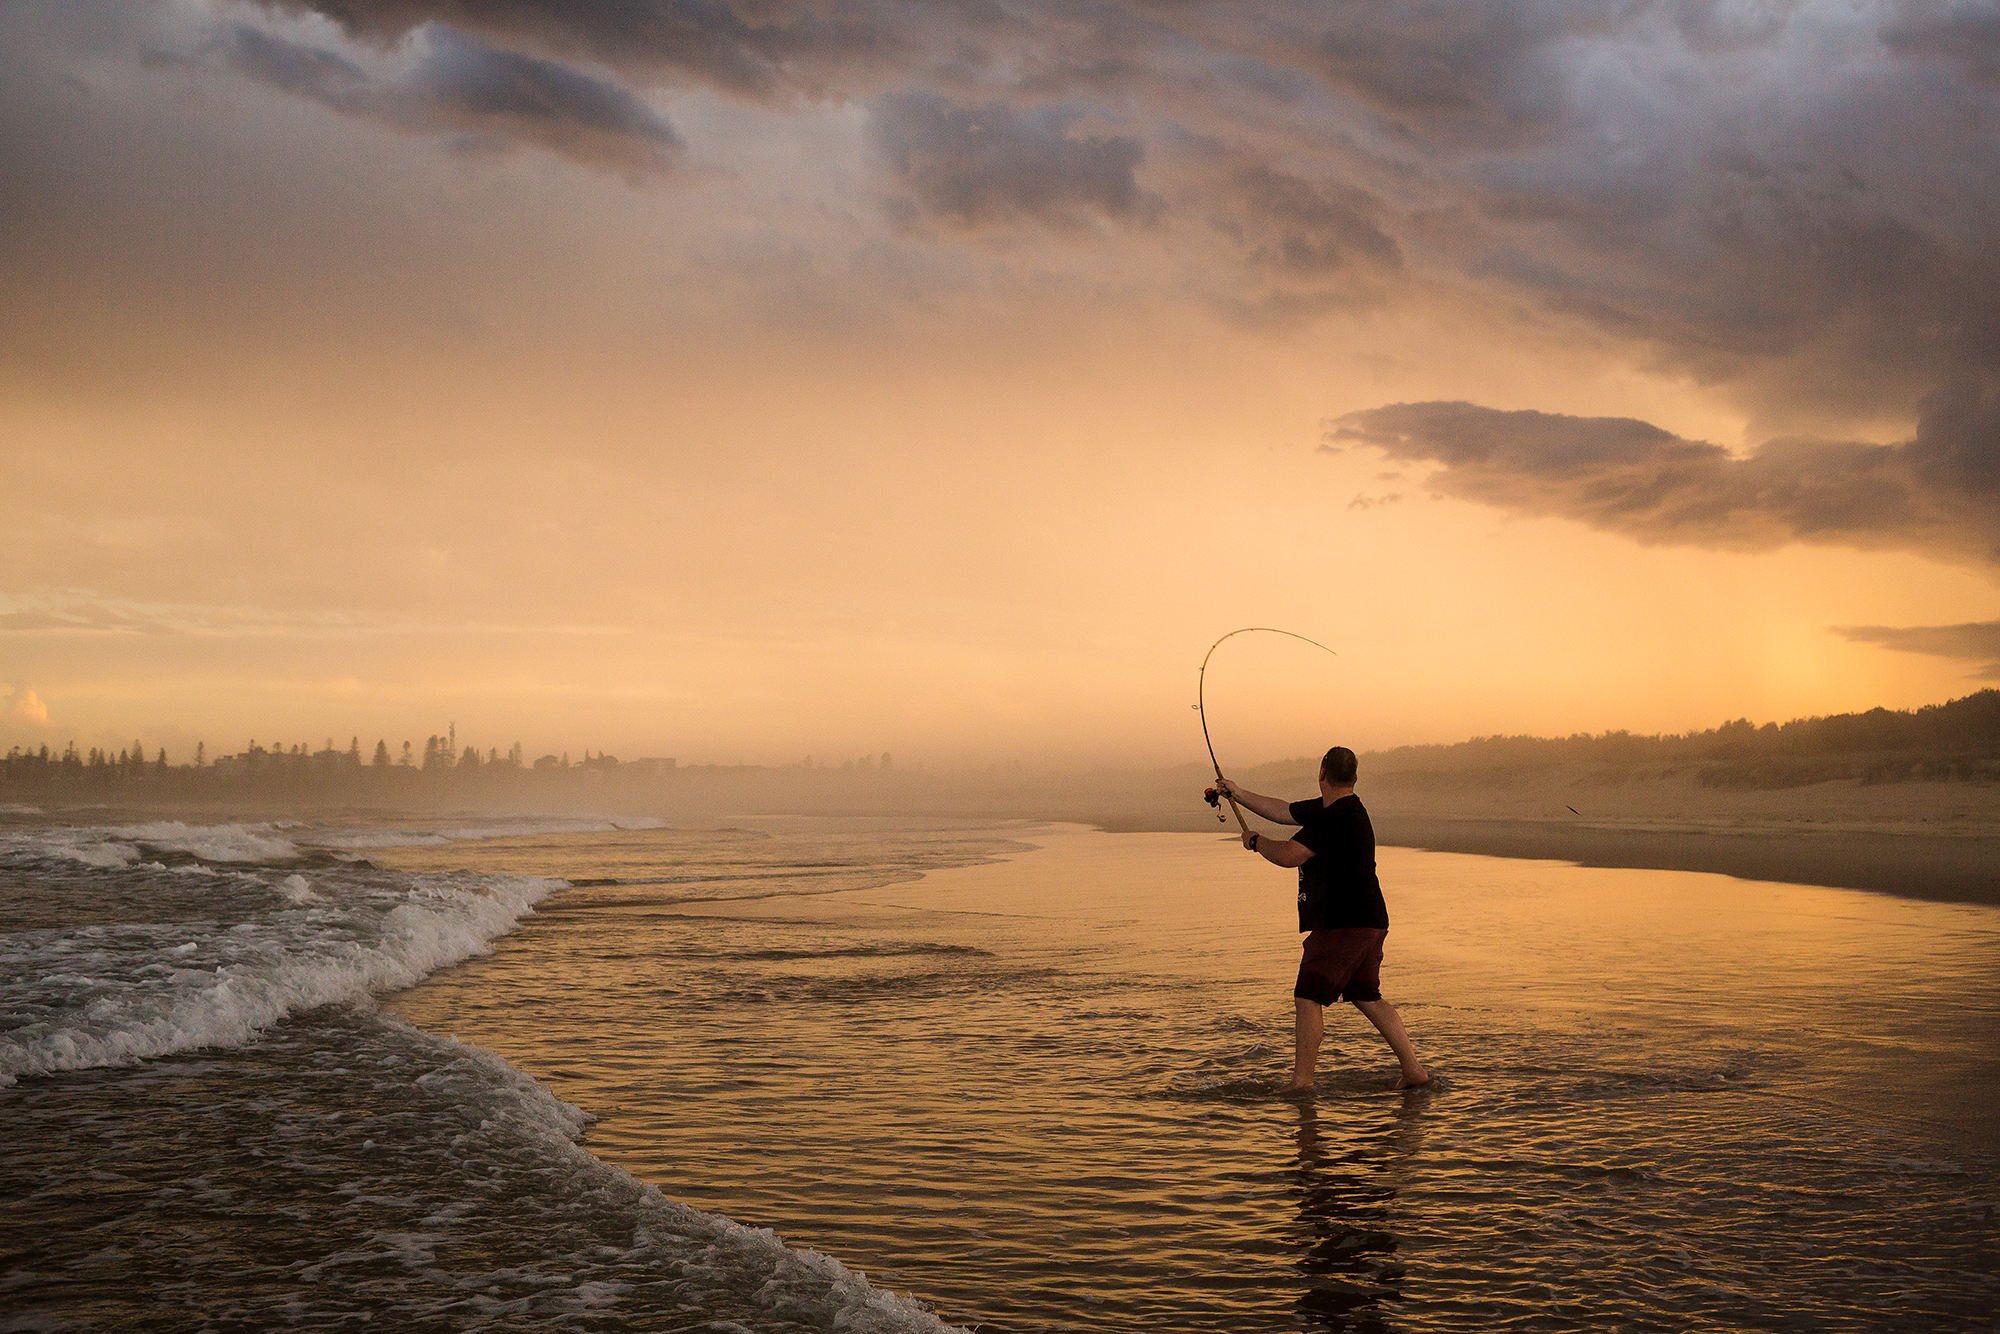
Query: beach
[884, 1073]
[1929, 840]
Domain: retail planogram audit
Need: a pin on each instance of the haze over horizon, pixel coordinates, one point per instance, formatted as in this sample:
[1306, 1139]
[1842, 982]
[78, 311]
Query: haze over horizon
[742, 381]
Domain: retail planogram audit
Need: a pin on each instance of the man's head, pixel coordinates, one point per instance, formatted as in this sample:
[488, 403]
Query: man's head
[1338, 767]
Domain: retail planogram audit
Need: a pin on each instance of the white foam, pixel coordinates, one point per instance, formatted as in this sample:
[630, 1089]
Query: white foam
[109, 1002]
[122, 992]
[211, 843]
[394, 838]
[108, 846]
[419, 838]
[94, 852]
[521, 1118]
[298, 890]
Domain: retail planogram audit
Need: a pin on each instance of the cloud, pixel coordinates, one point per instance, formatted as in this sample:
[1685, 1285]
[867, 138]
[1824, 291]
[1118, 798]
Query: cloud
[24, 707]
[80, 612]
[1795, 199]
[759, 50]
[978, 165]
[1967, 34]
[1975, 641]
[1938, 494]
[1455, 72]
[443, 80]
[1791, 200]
[1363, 501]
[1297, 245]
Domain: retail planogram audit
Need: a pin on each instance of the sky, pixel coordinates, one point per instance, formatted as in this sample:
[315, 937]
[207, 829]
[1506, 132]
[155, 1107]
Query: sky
[741, 380]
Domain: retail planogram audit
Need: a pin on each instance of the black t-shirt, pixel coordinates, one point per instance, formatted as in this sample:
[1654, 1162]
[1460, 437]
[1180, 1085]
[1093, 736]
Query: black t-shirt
[1337, 885]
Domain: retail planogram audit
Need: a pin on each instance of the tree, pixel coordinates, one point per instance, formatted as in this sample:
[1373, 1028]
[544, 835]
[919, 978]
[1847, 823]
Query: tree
[407, 760]
[431, 752]
[354, 753]
[200, 754]
[515, 755]
[163, 759]
[470, 759]
[381, 760]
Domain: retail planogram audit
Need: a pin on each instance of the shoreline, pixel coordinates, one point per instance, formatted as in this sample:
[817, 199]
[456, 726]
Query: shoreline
[1927, 841]
[1931, 841]
[1935, 867]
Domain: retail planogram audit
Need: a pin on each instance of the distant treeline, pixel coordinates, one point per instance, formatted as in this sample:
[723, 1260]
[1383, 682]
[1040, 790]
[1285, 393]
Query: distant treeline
[442, 771]
[298, 765]
[1959, 740]
[1955, 740]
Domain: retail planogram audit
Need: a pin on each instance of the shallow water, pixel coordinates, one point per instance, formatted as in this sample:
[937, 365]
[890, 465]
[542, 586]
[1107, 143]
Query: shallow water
[209, 1125]
[1033, 1094]
[1030, 1092]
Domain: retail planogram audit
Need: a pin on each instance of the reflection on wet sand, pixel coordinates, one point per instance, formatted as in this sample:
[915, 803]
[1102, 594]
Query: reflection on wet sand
[1037, 1093]
[1346, 1191]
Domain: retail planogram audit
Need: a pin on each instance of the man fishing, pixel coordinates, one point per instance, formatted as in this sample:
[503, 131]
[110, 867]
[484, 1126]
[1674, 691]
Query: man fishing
[1341, 909]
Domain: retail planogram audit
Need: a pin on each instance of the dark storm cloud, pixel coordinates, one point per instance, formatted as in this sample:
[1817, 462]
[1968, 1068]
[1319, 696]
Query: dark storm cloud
[1976, 641]
[1450, 70]
[1286, 224]
[985, 164]
[1303, 245]
[1507, 70]
[1968, 34]
[759, 49]
[1797, 201]
[1938, 494]
[458, 84]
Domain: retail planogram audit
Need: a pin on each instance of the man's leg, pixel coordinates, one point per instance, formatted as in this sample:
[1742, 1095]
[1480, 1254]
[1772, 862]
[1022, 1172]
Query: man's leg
[1390, 1024]
[1308, 1023]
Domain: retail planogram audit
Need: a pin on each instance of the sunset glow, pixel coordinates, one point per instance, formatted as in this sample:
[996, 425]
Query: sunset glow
[834, 380]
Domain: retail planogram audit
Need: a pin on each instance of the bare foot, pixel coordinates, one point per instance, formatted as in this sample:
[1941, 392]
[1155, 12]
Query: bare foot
[1408, 1083]
[1294, 1090]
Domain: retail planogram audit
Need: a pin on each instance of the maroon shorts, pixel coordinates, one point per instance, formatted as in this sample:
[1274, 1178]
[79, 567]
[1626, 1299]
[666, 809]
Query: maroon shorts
[1341, 964]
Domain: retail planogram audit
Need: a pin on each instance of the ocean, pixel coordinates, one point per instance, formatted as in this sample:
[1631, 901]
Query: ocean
[902, 1074]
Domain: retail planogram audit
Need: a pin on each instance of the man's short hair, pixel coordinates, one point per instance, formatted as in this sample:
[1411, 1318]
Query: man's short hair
[1339, 767]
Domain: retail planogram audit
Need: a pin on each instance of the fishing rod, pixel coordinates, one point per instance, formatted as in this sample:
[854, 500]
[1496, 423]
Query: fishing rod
[1200, 707]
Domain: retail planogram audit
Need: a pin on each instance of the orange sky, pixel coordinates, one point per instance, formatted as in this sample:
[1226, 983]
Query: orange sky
[839, 379]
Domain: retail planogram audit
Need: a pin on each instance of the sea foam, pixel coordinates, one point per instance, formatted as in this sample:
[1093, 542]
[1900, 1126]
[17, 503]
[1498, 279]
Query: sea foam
[522, 828]
[138, 960]
[123, 845]
[110, 993]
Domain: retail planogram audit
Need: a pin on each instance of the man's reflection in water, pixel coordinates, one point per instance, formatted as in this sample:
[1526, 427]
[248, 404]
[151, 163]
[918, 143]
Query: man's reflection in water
[1346, 1183]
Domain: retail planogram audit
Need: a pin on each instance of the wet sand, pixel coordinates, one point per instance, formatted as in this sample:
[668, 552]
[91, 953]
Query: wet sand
[1935, 841]
[1036, 1093]
[1945, 868]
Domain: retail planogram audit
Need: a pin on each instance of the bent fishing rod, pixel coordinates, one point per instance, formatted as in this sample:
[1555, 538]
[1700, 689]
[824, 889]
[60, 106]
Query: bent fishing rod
[1200, 707]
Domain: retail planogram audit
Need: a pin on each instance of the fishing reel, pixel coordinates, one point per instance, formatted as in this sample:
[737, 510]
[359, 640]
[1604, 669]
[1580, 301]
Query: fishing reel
[1213, 797]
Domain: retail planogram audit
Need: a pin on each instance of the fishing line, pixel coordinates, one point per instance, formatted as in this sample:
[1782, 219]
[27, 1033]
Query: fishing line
[1200, 707]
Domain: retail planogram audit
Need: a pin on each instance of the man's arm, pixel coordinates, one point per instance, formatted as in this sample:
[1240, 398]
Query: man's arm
[1286, 852]
[1274, 809]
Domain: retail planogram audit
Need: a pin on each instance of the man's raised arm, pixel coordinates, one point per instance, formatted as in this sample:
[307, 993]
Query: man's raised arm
[1274, 809]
